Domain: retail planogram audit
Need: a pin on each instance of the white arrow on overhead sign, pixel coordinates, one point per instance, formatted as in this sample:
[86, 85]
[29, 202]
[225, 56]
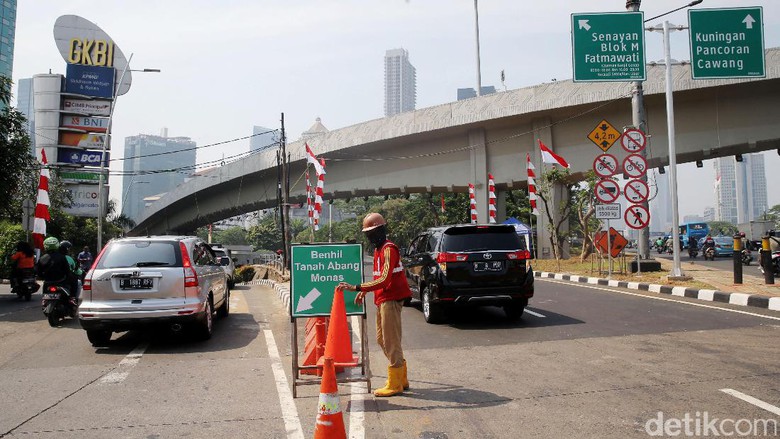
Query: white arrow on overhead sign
[584, 24]
[304, 303]
[749, 20]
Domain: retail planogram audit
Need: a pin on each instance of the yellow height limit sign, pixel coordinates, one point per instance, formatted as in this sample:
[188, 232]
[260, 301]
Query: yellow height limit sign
[604, 135]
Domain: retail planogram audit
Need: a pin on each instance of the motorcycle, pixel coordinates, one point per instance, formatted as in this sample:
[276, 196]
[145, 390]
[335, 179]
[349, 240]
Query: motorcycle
[25, 285]
[693, 252]
[57, 304]
[709, 253]
[775, 264]
[747, 257]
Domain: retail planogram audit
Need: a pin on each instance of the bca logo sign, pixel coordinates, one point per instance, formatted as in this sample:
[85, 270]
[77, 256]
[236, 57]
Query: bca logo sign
[85, 157]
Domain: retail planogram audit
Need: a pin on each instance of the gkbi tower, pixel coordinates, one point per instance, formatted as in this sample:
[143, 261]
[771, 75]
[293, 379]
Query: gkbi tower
[400, 82]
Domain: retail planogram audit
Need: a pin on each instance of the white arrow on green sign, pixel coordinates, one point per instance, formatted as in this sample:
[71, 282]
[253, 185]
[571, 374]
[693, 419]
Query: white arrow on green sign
[315, 271]
[727, 43]
[608, 46]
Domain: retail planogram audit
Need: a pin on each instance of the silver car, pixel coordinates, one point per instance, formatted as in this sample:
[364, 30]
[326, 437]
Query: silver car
[174, 281]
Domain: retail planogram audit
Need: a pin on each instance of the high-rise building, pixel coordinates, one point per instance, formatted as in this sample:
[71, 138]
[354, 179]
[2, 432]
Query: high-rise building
[24, 103]
[660, 210]
[7, 35]
[400, 82]
[740, 188]
[709, 214]
[263, 138]
[172, 157]
[468, 93]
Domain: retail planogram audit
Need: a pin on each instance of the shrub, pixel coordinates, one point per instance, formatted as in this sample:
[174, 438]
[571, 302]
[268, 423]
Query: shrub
[10, 234]
[245, 273]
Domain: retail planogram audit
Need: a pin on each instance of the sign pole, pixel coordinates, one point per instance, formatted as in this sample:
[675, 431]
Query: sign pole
[609, 250]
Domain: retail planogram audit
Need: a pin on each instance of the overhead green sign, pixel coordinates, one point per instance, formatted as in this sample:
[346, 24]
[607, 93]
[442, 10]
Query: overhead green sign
[727, 43]
[316, 269]
[608, 46]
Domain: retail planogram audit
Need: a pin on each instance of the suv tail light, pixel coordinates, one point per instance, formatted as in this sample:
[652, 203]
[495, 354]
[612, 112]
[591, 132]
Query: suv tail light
[451, 257]
[190, 276]
[87, 284]
[522, 254]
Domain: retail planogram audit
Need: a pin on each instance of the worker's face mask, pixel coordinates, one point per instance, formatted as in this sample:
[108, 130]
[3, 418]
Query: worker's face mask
[377, 236]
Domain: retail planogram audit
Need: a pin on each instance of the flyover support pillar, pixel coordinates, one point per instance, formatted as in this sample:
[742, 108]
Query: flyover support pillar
[556, 195]
[478, 172]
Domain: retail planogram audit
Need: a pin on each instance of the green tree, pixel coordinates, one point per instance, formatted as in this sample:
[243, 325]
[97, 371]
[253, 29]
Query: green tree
[564, 206]
[17, 164]
[722, 228]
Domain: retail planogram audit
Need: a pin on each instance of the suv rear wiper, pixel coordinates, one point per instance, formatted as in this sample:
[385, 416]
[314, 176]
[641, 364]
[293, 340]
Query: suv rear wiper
[151, 264]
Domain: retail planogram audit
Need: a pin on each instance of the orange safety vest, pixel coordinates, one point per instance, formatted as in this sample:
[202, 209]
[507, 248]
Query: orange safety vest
[389, 279]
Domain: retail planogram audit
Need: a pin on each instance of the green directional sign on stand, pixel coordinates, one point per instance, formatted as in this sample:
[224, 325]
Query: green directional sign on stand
[608, 46]
[316, 269]
[727, 43]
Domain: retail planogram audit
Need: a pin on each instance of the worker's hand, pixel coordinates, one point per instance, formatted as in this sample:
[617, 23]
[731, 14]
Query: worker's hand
[359, 297]
[345, 287]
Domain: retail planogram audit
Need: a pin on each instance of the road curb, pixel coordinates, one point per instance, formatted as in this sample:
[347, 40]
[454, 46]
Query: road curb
[753, 300]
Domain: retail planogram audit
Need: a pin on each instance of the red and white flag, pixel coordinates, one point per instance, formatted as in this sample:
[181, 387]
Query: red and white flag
[531, 184]
[472, 204]
[491, 200]
[309, 199]
[442, 203]
[42, 205]
[550, 157]
[312, 159]
[318, 196]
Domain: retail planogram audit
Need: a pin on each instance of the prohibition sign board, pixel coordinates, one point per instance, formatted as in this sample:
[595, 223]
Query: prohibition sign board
[637, 217]
[605, 165]
[633, 140]
[607, 191]
[635, 165]
[636, 191]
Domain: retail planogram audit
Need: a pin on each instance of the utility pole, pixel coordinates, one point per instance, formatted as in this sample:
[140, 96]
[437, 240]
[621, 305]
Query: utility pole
[639, 121]
[287, 233]
[280, 201]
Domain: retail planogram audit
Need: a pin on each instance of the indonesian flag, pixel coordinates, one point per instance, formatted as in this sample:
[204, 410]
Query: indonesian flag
[550, 157]
[309, 199]
[531, 184]
[318, 197]
[491, 200]
[42, 205]
[472, 204]
[312, 159]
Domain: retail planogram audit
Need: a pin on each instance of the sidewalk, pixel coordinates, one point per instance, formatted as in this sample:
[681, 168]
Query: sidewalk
[723, 280]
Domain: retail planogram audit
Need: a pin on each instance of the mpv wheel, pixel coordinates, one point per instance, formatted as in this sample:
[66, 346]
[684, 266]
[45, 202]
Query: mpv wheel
[514, 310]
[205, 327]
[431, 311]
[98, 338]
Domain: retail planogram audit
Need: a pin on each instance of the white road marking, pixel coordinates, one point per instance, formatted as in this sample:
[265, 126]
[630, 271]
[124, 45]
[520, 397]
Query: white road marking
[292, 422]
[358, 394]
[535, 314]
[663, 299]
[125, 366]
[755, 401]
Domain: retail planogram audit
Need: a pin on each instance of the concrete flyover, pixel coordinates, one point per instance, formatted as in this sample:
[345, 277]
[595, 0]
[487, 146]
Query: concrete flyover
[443, 148]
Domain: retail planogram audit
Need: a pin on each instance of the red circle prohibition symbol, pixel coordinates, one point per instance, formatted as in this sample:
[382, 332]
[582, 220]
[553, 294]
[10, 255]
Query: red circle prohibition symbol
[636, 217]
[635, 165]
[636, 191]
[607, 191]
[605, 165]
[629, 140]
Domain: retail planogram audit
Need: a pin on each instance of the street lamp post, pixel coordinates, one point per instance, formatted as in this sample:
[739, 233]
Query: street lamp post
[101, 185]
[476, 26]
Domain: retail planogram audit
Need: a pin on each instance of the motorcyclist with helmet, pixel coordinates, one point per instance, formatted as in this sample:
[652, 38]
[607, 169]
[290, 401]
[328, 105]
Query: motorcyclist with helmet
[23, 261]
[53, 266]
[708, 243]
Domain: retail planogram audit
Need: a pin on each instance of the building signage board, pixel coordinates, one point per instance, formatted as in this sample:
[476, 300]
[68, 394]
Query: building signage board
[608, 46]
[87, 107]
[727, 43]
[92, 124]
[85, 199]
[80, 177]
[315, 271]
[80, 157]
[82, 140]
[90, 81]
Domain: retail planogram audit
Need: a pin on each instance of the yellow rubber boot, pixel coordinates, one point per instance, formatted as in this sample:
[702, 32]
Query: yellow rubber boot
[394, 385]
[405, 380]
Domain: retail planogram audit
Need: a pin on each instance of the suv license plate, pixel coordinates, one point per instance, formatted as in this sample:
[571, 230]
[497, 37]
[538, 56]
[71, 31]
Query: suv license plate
[136, 283]
[488, 266]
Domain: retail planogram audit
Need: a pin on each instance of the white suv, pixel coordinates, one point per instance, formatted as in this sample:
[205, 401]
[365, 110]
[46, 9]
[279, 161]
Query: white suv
[174, 281]
[224, 259]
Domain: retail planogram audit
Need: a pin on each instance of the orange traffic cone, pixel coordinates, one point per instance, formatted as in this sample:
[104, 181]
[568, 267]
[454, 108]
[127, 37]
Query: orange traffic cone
[338, 345]
[330, 423]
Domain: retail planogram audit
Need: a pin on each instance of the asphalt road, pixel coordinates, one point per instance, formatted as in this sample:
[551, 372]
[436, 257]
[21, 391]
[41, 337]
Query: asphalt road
[588, 362]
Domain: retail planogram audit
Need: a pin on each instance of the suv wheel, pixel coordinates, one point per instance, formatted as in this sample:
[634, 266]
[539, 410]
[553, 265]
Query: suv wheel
[431, 311]
[224, 310]
[98, 338]
[205, 327]
[514, 310]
